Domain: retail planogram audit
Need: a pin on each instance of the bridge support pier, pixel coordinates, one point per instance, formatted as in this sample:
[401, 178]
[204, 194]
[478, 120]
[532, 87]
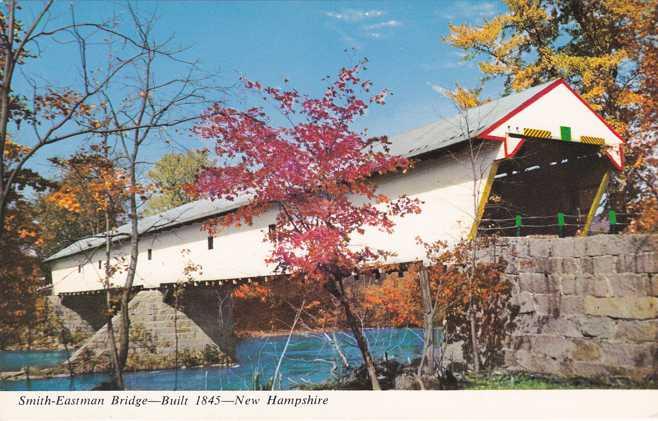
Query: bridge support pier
[79, 316]
[197, 331]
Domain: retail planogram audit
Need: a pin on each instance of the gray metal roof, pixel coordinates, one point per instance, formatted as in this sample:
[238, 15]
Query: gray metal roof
[441, 134]
[188, 212]
[450, 131]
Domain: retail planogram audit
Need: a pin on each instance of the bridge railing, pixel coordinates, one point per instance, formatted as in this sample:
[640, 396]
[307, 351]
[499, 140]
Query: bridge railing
[561, 224]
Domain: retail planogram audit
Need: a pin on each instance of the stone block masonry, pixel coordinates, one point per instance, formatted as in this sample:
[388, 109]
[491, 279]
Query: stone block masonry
[199, 332]
[588, 307]
[79, 315]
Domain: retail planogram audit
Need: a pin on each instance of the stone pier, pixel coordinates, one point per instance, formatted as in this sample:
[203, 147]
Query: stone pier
[77, 317]
[199, 332]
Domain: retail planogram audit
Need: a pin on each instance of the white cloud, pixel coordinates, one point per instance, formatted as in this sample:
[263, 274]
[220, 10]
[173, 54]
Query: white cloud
[438, 89]
[353, 15]
[354, 25]
[388, 24]
[463, 9]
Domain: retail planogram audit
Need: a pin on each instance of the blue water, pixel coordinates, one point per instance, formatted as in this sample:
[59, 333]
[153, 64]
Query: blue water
[309, 359]
[16, 360]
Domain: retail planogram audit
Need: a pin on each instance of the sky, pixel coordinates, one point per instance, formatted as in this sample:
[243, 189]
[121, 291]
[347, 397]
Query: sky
[303, 42]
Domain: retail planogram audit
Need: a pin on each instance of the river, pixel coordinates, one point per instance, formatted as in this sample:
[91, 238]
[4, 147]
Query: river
[310, 358]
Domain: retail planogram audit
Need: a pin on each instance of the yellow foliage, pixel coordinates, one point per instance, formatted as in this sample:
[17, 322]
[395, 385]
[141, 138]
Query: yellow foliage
[463, 98]
[604, 48]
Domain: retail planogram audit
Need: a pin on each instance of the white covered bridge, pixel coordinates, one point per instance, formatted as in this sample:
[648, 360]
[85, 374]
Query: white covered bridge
[541, 153]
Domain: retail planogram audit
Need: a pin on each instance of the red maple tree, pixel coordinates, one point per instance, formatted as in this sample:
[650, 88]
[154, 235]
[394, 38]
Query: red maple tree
[317, 171]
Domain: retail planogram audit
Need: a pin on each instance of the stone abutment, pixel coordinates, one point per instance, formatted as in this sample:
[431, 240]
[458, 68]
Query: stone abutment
[588, 307]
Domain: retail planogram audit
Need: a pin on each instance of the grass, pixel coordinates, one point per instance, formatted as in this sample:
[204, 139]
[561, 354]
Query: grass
[516, 382]
[536, 382]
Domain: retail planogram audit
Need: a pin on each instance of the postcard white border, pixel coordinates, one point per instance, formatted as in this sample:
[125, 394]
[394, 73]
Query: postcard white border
[530, 404]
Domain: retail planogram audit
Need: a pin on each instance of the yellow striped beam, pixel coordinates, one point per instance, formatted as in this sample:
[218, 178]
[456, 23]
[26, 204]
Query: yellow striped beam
[591, 140]
[543, 134]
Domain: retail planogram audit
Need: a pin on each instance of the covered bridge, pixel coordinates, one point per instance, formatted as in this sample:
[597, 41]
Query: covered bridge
[535, 162]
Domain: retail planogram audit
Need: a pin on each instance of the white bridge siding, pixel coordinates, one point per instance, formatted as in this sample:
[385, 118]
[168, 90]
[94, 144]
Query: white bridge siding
[236, 253]
[444, 185]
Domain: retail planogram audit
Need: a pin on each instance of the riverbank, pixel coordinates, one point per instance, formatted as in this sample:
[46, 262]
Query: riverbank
[285, 332]
[395, 376]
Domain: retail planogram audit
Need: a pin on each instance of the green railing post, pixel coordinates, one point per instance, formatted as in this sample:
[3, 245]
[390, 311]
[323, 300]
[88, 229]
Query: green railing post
[560, 224]
[517, 225]
[612, 218]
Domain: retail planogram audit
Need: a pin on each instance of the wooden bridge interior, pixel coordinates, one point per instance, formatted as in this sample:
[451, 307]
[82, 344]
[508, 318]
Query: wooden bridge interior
[547, 188]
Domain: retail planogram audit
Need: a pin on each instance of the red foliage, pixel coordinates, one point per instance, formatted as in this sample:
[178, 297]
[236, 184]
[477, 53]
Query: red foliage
[316, 171]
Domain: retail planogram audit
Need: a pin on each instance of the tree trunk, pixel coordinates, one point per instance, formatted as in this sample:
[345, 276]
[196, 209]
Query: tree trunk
[428, 325]
[334, 341]
[114, 354]
[5, 89]
[358, 334]
[117, 372]
[474, 344]
[132, 269]
[475, 347]
[12, 55]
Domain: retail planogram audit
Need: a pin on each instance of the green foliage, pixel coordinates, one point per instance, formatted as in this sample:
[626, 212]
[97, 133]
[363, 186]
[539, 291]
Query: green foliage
[190, 358]
[211, 354]
[170, 176]
[522, 381]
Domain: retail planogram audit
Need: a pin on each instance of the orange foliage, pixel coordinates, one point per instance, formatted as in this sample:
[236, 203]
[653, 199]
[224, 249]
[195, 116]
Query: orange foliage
[275, 303]
[394, 302]
[94, 180]
[63, 103]
[252, 292]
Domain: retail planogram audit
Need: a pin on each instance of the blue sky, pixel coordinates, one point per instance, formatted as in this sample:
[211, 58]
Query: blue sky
[304, 41]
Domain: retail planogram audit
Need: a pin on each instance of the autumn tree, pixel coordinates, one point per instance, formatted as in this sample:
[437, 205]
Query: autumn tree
[467, 293]
[139, 111]
[50, 113]
[463, 100]
[20, 271]
[317, 172]
[45, 113]
[605, 48]
[89, 186]
[171, 176]
[393, 301]
[92, 195]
